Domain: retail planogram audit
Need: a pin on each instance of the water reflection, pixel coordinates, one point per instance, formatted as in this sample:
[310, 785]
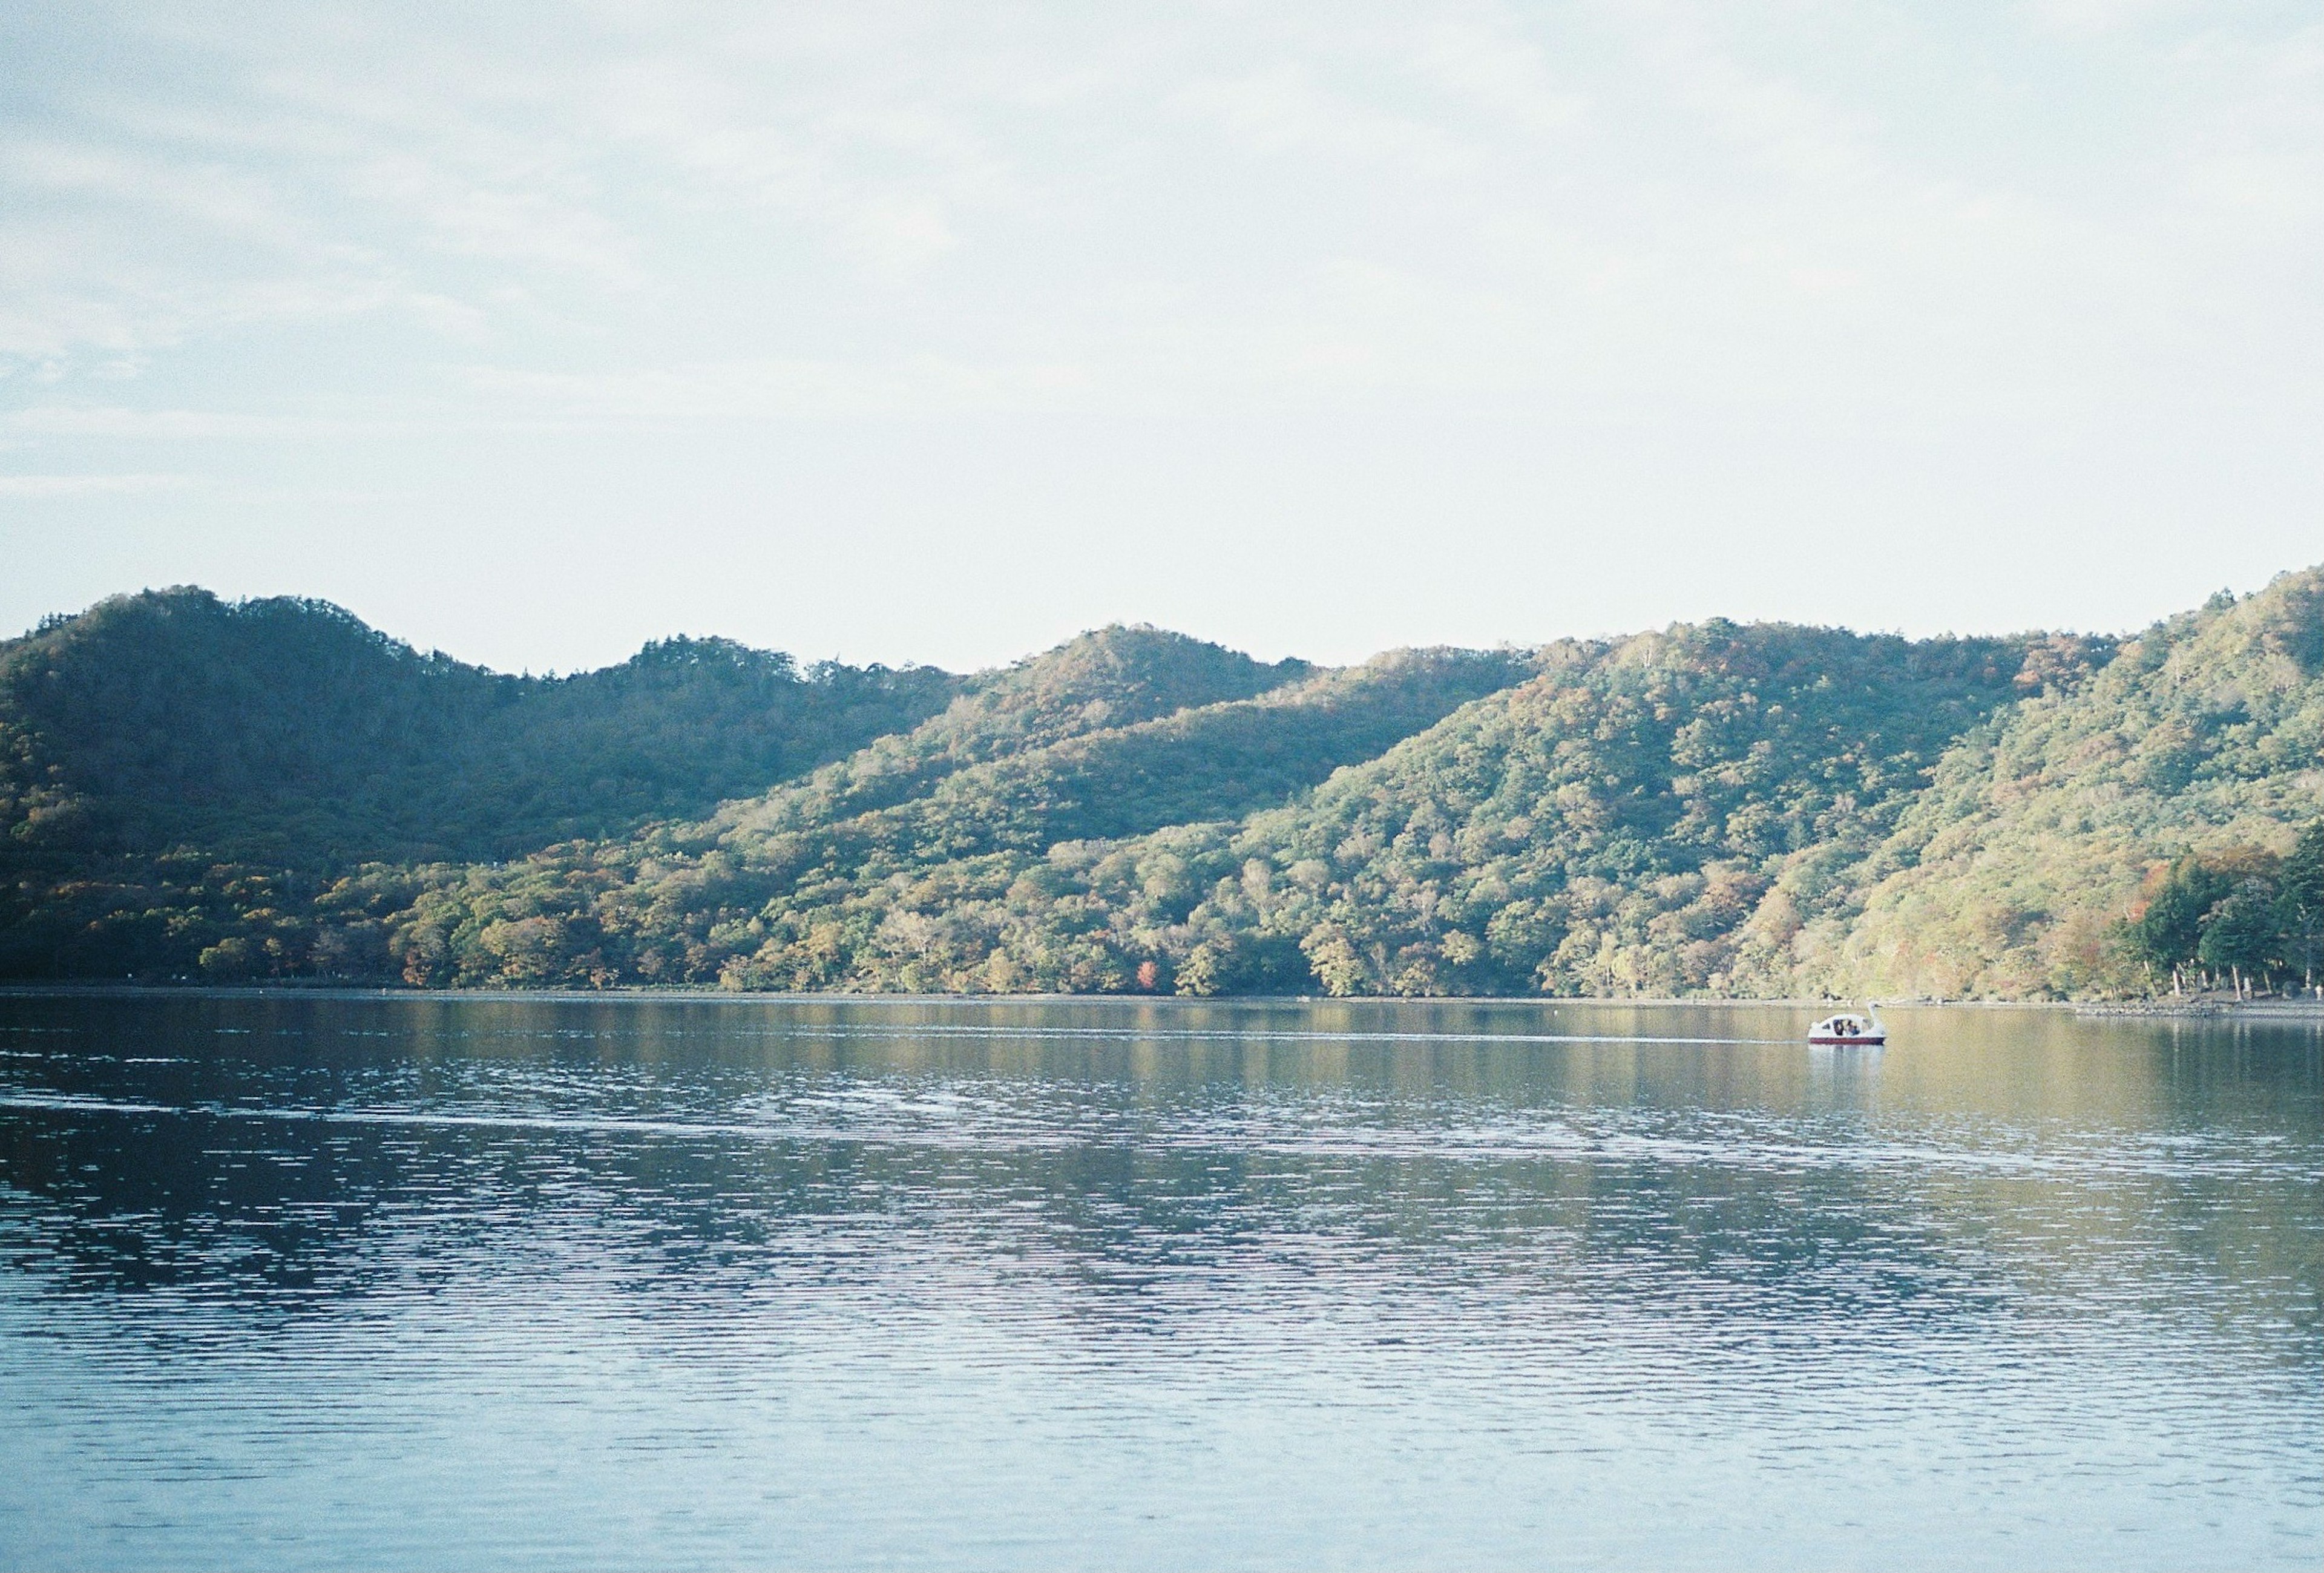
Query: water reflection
[1153, 1282]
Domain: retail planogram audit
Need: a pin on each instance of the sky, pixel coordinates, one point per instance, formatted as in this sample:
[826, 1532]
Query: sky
[917, 332]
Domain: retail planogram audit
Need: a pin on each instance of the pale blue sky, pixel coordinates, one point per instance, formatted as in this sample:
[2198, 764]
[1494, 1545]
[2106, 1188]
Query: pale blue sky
[941, 332]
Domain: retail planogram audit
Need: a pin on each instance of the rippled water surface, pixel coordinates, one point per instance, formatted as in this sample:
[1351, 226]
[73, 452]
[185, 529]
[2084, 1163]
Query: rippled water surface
[415, 1282]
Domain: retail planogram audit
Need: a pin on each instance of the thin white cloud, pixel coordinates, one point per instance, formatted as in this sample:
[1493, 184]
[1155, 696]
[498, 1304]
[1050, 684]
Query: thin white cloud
[764, 390]
[2089, 18]
[1285, 110]
[88, 485]
[114, 421]
[1506, 76]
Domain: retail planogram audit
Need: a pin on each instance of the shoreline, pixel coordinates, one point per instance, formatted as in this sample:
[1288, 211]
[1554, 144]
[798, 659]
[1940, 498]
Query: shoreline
[2270, 1009]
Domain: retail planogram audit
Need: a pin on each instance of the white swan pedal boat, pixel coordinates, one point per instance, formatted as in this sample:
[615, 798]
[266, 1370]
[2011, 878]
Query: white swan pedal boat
[1848, 1029]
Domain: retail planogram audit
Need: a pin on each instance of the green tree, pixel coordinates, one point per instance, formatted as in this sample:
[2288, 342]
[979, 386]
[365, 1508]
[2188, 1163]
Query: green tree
[2170, 932]
[2240, 931]
[2300, 901]
[1336, 964]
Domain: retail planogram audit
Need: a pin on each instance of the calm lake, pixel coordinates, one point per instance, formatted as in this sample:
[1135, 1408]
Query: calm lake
[415, 1281]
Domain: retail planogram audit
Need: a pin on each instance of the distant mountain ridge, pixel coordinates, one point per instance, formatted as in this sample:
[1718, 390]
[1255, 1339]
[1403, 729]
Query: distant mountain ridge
[200, 788]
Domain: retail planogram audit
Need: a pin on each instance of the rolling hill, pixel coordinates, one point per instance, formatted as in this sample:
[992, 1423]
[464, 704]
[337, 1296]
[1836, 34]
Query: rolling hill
[270, 789]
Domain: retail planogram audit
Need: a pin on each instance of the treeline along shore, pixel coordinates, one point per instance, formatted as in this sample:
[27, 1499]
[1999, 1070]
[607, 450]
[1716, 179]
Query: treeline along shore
[192, 788]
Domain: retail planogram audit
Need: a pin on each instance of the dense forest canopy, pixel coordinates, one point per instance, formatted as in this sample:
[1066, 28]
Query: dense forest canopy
[286, 730]
[192, 788]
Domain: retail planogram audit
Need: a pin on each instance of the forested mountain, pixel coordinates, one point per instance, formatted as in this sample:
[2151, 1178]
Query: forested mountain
[161, 744]
[2045, 831]
[1108, 679]
[272, 789]
[1662, 782]
[286, 730]
[794, 891]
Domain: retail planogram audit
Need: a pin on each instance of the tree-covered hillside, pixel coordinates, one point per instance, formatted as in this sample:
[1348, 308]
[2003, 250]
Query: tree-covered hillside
[1653, 816]
[288, 731]
[1612, 823]
[2047, 831]
[793, 890]
[270, 789]
[1102, 682]
[159, 747]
